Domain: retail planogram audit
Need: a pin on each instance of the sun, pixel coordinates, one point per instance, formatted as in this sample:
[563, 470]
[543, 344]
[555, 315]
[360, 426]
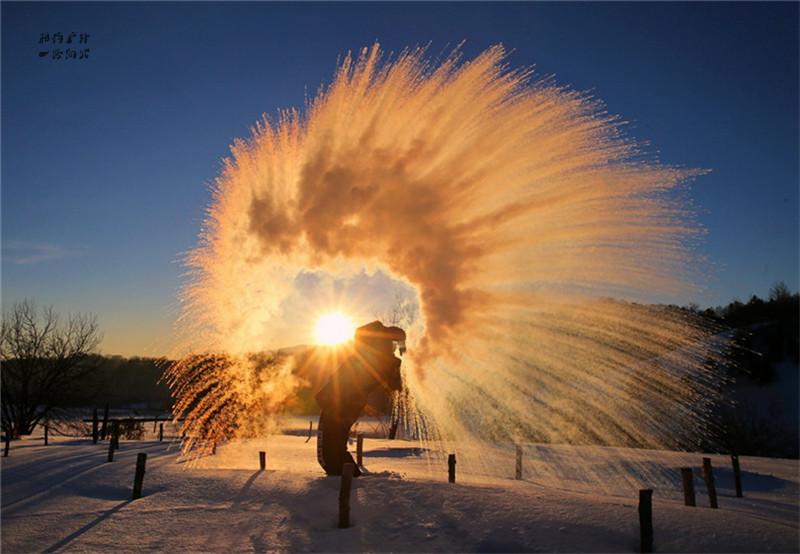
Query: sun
[334, 328]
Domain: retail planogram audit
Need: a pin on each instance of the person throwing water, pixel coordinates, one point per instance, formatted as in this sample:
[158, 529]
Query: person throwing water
[370, 365]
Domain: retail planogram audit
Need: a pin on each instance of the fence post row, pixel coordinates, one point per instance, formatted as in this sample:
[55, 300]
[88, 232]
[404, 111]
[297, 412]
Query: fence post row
[95, 424]
[737, 475]
[360, 450]
[688, 486]
[138, 478]
[104, 429]
[708, 475]
[344, 496]
[115, 434]
[646, 520]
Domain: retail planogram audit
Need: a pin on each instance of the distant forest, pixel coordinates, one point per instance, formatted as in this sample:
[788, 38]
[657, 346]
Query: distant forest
[133, 383]
[764, 419]
[767, 332]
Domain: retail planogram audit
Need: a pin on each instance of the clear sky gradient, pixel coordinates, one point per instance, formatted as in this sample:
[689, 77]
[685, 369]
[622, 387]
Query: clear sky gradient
[106, 161]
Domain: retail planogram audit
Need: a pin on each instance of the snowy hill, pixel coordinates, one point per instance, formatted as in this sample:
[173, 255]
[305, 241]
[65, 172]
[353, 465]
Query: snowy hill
[65, 497]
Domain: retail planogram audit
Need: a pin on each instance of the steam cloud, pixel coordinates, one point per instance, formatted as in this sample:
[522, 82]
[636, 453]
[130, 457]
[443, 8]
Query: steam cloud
[516, 210]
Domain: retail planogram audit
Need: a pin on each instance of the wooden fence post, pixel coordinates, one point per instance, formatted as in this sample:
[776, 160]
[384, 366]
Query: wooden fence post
[155, 420]
[46, 434]
[262, 460]
[7, 446]
[138, 478]
[708, 475]
[688, 486]
[344, 496]
[115, 434]
[737, 475]
[104, 428]
[360, 450]
[310, 428]
[95, 430]
[646, 520]
[213, 448]
[110, 450]
[451, 468]
[394, 426]
[518, 473]
[160, 432]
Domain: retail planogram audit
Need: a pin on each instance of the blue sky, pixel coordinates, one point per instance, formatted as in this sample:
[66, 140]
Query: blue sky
[106, 161]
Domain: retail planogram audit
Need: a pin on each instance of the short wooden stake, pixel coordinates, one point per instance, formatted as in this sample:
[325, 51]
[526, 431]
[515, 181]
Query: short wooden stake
[344, 496]
[154, 424]
[7, 446]
[451, 468]
[737, 475]
[110, 450]
[310, 428]
[360, 449]
[518, 472]
[213, 448]
[262, 460]
[646, 520]
[708, 475]
[688, 486]
[160, 432]
[104, 428]
[46, 434]
[115, 435]
[95, 429]
[141, 460]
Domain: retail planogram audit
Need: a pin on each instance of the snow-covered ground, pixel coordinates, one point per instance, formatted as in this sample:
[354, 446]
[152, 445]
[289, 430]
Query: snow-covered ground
[65, 497]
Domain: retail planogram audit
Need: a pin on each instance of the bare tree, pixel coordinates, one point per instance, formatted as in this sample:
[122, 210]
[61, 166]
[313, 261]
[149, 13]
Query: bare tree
[42, 360]
[779, 292]
[403, 311]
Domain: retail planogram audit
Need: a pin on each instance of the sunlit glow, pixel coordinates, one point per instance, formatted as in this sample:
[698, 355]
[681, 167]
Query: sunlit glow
[333, 328]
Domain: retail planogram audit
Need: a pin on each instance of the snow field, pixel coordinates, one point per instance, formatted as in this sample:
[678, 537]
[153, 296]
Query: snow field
[65, 497]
